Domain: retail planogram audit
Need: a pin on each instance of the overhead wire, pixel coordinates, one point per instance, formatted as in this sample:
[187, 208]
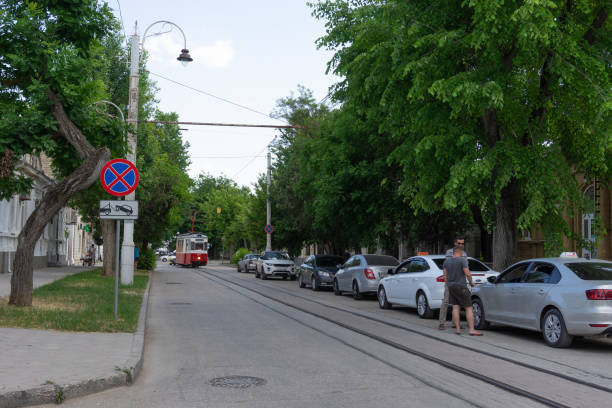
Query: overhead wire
[121, 17]
[216, 97]
[251, 161]
[224, 157]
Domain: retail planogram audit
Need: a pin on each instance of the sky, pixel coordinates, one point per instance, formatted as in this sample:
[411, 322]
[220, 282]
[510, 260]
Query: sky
[251, 53]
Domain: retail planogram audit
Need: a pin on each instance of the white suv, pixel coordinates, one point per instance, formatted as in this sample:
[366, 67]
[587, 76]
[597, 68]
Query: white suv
[275, 263]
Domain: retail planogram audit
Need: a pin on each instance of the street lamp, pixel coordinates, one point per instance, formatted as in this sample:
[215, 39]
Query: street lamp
[127, 249]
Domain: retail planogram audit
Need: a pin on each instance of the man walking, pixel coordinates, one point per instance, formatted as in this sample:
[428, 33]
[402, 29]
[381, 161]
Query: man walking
[456, 272]
[460, 243]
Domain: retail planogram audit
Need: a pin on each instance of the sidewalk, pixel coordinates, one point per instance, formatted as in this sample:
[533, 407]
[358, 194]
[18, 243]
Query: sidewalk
[43, 366]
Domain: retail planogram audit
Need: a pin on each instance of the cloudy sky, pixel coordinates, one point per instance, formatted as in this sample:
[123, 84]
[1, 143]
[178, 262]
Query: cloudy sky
[250, 53]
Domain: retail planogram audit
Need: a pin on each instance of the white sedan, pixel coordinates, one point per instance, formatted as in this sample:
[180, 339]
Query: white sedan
[419, 282]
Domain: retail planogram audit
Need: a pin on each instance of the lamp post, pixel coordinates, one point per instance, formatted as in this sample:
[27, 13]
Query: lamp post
[127, 249]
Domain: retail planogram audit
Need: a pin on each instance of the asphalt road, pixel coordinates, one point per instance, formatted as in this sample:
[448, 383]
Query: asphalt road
[199, 330]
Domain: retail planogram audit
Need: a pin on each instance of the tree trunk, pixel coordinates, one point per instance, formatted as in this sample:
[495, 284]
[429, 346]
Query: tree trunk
[485, 235]
[108, 235]
[53, 201]
[504, 236]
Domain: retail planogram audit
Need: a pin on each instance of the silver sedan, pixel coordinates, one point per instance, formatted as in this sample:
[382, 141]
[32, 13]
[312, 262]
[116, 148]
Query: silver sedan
[560, 297]
[360, 274]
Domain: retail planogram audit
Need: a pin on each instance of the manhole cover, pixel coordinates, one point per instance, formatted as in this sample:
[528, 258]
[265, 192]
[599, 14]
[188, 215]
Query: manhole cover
[236, 381]
[174, 283]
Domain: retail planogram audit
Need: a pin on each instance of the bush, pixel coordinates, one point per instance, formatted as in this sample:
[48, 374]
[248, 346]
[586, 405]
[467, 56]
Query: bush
[239, 254]
[147, 259]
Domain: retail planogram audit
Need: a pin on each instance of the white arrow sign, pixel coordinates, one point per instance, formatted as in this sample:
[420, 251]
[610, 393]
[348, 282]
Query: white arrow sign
[118, 210]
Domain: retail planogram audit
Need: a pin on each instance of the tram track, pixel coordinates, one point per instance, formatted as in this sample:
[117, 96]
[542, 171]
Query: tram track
[604, 393]
[450, 342]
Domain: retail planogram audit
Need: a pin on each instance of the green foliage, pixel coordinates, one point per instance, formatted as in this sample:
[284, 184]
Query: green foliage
[50, 45]
[147, 259]
[222, 211]
[475, 97]
[239, 254]
[163, 191]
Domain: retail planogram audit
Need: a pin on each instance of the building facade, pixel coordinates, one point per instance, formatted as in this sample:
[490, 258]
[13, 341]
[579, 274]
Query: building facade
[531, 243]
[64, 240]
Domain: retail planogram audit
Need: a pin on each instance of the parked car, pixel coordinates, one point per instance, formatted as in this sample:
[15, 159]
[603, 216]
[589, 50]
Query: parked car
[360, 274]
[165, 256]
[419, 282]
[248, 263]
[172, 258]
[560, 297]
[275, 263]
[318, 271]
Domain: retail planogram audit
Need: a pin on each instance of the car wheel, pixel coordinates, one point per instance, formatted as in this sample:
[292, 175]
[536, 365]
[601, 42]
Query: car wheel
[423, 309]
[337, 290]
[356, 293]
[313, 284]
[479, 315]
[553, 330]
[292, 277]
[164, 259]
[301, 282]
[238, 268]
[382, 298]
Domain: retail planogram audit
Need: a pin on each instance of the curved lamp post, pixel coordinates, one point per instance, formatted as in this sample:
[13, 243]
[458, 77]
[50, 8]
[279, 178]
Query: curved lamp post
[116, 107]
[127, 248]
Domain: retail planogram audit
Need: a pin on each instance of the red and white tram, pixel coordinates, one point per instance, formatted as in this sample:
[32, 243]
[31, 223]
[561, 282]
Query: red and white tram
[192, 249]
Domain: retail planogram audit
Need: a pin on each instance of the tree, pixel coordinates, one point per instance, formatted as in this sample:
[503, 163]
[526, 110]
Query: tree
[163, 192]
[495, 105]
[49, 48]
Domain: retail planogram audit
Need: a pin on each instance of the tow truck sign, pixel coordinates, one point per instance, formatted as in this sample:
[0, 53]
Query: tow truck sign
[118, 210]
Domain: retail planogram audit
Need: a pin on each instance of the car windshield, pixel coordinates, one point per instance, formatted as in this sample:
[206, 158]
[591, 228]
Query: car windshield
[325, 261]
[276, 255]
[383, 260]
[591, 270]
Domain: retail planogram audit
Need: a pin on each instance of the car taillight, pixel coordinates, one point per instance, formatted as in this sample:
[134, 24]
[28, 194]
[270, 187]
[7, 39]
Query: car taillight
[599, 294]
[369, 274]
[250, 262]
[440, 278]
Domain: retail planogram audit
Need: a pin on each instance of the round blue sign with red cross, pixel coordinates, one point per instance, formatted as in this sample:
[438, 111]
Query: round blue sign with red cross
[119, 177]
[269, 229]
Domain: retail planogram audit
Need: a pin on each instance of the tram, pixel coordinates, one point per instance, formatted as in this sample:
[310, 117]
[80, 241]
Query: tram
[192, 249]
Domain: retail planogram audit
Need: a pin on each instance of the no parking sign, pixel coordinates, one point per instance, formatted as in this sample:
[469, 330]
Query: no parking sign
[119, 177]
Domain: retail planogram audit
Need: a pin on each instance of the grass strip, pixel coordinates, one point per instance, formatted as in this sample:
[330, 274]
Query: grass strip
[82, 302]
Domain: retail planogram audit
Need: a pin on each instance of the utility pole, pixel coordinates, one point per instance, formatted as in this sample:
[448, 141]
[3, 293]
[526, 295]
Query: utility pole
[268, 207]
[127, 248]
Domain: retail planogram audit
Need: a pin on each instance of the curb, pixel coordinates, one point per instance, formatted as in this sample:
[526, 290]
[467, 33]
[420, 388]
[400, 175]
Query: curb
[51, 393]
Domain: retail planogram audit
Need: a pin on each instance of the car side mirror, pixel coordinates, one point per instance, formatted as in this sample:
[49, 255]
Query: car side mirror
[391, 271]
[338, 266]
[492, 279]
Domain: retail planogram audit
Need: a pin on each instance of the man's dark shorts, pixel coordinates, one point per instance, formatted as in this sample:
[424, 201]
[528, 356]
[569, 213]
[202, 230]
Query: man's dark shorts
[459, 295]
